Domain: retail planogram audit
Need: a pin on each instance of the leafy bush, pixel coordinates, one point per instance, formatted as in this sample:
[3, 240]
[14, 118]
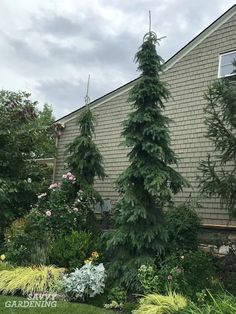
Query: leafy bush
[148, 278]
[87, 281]
[225, 267]
[25, 135]
[24, 244]
[187, 274]
[161, 304]
[58, 213]
[63, 209]
[71, 250]
[30, 279]
[183, 225]
[117, 298]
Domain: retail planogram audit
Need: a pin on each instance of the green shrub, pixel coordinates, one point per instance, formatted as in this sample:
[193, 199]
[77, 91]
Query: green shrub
[225, 267]
[161, 304]
[188, 273]
[30, 279]
[116, 299]
[149, 279]
[183, 225]
[71, 250]
[24, 244]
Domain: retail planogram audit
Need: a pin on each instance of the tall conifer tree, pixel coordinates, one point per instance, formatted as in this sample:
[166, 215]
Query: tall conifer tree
[219, 169]
[149, 182]
[84, 158]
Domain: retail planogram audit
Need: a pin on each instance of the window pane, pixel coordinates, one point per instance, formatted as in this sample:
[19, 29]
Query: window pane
[226, 70]
[228, 58]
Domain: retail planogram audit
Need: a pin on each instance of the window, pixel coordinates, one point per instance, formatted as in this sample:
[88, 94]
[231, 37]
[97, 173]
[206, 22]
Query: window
[226, 66]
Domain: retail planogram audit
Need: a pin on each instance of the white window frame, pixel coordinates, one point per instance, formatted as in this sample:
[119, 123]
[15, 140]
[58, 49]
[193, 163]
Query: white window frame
[219, 66]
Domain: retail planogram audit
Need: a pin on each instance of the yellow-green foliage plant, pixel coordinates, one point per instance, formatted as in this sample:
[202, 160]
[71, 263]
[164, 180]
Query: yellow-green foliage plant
[30, 279]
[161, 304]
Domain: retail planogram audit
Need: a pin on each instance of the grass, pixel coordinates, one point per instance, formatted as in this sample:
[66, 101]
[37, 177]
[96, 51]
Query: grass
[61, 308]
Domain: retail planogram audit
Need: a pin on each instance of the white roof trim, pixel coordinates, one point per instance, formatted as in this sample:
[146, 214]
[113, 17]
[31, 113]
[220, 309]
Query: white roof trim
[171, 62]
[98, 102]
[202, 36]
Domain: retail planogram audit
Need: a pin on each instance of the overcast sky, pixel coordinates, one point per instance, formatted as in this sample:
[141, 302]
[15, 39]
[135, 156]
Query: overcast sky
[48, 47]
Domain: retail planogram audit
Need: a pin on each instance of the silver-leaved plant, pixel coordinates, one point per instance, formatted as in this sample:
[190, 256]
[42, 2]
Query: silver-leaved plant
[87, 281]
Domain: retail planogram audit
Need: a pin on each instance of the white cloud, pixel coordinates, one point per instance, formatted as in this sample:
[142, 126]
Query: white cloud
[49, 47]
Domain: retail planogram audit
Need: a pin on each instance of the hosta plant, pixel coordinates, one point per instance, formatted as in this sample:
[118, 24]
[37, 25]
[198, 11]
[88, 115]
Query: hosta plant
[87, 281]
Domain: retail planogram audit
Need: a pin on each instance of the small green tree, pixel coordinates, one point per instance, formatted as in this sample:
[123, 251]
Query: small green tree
[219, 169]
[84, 159]
[149, 182]
[23, 137]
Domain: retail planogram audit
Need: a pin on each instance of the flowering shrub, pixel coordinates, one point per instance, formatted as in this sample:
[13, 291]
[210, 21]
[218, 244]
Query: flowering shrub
[87, 281]
[63, 208]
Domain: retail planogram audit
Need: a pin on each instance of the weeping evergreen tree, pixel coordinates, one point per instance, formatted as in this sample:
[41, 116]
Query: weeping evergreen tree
[84, 159]
[149, 182]
[219, 169]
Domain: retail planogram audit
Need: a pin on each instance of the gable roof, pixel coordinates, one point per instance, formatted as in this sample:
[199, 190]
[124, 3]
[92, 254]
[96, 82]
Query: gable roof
[168, 64]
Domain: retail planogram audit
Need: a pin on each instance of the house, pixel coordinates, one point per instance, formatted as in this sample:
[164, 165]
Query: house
[188, 73]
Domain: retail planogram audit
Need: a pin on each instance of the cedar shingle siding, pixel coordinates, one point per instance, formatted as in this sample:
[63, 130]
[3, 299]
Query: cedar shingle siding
[188, 79]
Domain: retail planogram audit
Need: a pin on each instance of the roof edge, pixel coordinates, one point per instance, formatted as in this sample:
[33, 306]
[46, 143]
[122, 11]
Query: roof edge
[168, 64]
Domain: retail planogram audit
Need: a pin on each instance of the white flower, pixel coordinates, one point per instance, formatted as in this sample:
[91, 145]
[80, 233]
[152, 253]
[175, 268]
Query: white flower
[42, 195]
[29, 180]
[53, 186]
[48, 213]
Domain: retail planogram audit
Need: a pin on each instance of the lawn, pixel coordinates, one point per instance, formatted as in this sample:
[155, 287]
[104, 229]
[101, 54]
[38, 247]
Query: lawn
[61, 308]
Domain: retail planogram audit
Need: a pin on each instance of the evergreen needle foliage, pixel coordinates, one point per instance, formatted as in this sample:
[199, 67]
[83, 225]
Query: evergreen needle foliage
[149, 181]
[85, 160]
[219, 171]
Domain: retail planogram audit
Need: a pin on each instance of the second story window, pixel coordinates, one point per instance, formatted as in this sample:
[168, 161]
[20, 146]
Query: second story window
[226, 64]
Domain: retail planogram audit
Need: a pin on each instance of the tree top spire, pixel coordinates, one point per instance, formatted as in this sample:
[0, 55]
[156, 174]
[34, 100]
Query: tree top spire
[86, 98]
